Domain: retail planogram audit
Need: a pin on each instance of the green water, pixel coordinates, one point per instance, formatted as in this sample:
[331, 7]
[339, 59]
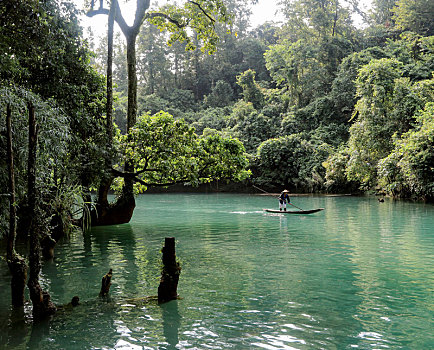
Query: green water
[359, 274]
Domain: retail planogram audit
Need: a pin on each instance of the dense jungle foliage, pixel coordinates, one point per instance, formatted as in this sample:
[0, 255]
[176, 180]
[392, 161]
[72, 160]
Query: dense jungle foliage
[318, 103]
[46, 64]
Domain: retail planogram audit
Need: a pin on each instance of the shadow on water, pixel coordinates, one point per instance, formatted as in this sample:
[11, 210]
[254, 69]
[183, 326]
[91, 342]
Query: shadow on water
[19, 332]
[14, 329]
[78, 327]
[126, 254]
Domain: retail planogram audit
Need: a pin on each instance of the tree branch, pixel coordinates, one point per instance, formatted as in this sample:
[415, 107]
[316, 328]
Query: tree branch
[100, 11]
[132, 175]
[140, 181]
[142, 6]
[200, 8]
[120, 19]
[166, 16]
[174, 21]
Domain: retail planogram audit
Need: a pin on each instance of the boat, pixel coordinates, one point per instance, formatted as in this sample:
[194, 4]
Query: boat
[311, 211]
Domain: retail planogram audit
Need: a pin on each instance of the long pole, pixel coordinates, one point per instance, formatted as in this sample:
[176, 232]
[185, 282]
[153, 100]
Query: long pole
[260, 189]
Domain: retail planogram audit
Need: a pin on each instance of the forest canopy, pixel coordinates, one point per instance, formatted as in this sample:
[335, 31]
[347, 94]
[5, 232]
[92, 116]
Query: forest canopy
[340, 96]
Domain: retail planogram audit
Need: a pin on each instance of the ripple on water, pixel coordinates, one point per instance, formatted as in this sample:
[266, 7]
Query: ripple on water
[276, 342]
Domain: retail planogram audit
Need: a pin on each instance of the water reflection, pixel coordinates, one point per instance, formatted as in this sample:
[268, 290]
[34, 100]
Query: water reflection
[14, 329]
[283, 224]
[117, 246]
[171, 324]
[40, 331]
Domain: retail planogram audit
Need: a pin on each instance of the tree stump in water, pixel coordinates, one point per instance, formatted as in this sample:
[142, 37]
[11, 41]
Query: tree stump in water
[106, 283]
[167, 290]
[75, 301]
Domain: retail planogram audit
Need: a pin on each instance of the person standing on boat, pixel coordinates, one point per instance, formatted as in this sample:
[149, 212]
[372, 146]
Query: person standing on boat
[283, 199]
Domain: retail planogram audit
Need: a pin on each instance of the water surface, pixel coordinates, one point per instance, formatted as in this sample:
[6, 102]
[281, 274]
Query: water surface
[357, 275]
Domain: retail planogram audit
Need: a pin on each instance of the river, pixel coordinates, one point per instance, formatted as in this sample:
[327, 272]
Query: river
[357, 275]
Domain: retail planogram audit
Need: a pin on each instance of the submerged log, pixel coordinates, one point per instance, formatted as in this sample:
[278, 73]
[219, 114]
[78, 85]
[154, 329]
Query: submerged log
[168, 288]
[106, 283]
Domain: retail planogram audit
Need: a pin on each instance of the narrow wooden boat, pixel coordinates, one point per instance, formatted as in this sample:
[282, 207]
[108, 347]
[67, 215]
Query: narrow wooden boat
[311, 211]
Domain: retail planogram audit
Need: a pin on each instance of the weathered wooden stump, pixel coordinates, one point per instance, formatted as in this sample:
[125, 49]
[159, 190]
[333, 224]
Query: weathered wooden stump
[106, 283]
[167, 290]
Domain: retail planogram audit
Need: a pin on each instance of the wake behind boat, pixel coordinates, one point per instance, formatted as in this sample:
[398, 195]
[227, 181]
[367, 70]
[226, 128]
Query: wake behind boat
[311, 211]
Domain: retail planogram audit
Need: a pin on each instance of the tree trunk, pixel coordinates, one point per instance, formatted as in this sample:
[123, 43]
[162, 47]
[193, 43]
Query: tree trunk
[18, 268]
[42, 305]
[122, 211]
[335, 19]
[132, 80]
[109, 106]
[167, 290]
[176, 71]
[103, 190]
[106, 181]
[128, 191]
[17, 265]
[151, 46]
[196, 69]
[114, 214]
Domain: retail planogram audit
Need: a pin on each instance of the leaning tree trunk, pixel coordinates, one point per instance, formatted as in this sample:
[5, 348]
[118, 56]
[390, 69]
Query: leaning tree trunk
[42, 305]
[17, 264]
[122, 211]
